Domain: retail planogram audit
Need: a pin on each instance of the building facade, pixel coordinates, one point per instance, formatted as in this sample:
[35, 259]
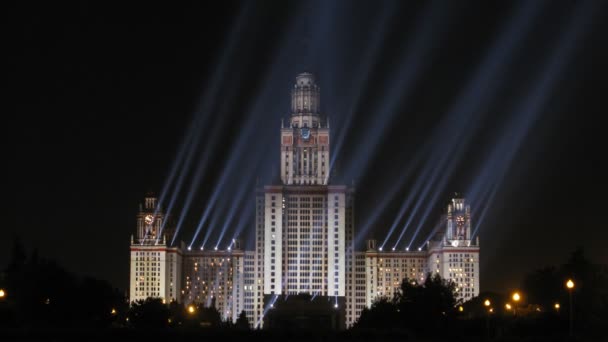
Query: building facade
[304, 240]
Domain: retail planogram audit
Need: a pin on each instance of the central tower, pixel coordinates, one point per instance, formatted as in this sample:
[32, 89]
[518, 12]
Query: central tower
[304, 225]
[305, 141]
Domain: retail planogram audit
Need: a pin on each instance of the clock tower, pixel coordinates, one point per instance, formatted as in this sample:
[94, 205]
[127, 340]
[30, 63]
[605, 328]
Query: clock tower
[305, 141]
[458, 222]
[454, 255]
[304, 225]
[155, 267]
[150, 221]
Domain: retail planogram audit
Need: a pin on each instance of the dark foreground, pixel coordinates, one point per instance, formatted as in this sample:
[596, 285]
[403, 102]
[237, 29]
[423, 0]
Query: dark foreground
[117, 335]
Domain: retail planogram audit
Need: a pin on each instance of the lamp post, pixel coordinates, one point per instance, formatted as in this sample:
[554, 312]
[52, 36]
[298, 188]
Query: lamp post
[487, 304]
[570, 287]
[191, 309]
[516, 297]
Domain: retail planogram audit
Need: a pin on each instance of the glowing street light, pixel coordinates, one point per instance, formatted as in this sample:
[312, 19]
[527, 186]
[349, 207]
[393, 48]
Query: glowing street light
[570, 287]
[516, 297]
[191, 309]
[487, 304]
[508, 306]
[556, 306]
[113, 312]
[2, 294]
[460, 308]
[570, 284]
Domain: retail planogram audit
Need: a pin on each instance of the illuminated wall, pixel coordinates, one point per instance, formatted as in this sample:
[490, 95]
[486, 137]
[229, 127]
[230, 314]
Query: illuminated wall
[304, 240]
[155, 269]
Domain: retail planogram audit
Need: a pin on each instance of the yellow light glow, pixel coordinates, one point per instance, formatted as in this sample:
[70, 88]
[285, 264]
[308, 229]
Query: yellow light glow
[516, 296]
[491, 309]
[556, 306]
[191, 309]
[570, 284]
[113, 312]
[2, 293]
[487, 302]
[460, 308]
[508, 306]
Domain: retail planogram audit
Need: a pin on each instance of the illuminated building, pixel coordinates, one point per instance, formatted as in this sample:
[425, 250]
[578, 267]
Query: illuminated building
[304, 225]
[156, 269]
[304, 233]
[452, 254]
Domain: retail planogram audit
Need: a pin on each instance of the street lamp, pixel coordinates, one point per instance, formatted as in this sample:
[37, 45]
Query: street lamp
[2, 294]
[508, 306]
[556, 306]
[191, 309]
[570, 286]
[487, 305]
[516, 297]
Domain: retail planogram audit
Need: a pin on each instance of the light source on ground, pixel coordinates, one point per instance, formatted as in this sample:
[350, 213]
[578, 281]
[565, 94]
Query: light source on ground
[570, 284]
[516, 297]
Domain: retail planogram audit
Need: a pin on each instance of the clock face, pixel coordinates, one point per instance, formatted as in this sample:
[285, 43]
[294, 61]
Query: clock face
[149, 219]
[305, 131]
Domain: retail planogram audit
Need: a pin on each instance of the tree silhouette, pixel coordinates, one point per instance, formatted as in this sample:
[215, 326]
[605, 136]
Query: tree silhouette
[424, 309]
[242, 323]
[381, 316]
[427, 308]
[150, 313]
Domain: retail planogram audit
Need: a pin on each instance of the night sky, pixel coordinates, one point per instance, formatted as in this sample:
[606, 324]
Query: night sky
[99, 98]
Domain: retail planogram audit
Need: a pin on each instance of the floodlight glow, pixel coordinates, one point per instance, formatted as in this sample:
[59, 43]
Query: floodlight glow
[195, 183]
[413, 63]
[527, 113]
[215, 248]
[361, 78]
[454, 132]
[203, 112]
[235, 206]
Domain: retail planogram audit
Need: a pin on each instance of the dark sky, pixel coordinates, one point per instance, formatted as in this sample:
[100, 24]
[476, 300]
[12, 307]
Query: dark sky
[100, 96]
